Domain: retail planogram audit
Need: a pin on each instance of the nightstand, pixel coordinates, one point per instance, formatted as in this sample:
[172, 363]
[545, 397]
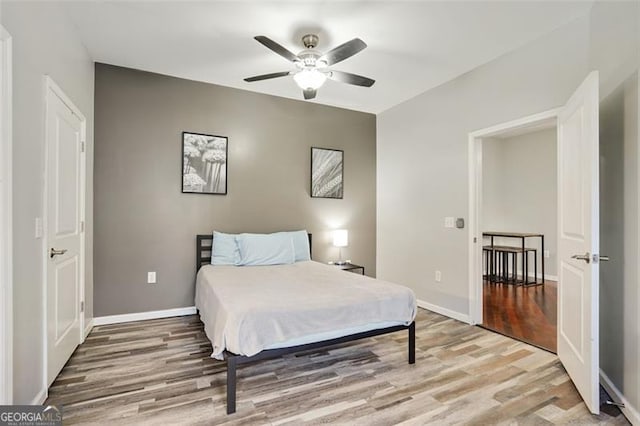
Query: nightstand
[351, 267]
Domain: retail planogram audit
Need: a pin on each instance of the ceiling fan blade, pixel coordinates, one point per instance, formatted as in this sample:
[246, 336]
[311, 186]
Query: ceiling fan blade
[267, 76]
[347, 77]
[343, 51]
[309, 93]
[280, 50]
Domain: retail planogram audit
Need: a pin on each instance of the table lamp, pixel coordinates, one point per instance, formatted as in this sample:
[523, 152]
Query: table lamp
[340, 239]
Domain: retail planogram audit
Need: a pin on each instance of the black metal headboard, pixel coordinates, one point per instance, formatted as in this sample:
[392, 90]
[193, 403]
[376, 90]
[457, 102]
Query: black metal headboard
[203, 249]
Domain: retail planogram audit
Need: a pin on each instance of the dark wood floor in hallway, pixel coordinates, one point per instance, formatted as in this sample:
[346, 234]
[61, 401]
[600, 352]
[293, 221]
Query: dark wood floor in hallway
[524, 313]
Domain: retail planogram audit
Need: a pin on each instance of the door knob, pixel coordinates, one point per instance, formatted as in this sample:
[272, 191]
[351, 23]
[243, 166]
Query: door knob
[586, 257]
[53, 252]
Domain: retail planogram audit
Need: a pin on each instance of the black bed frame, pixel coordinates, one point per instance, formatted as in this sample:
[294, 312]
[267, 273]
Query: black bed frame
[203, 257]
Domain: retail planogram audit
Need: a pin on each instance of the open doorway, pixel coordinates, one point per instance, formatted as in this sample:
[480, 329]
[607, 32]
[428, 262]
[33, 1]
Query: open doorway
[578, 230]
[519, 230]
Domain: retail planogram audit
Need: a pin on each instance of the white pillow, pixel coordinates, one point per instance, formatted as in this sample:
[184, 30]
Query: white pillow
[224, 249]
[300, 244]
[265, 249]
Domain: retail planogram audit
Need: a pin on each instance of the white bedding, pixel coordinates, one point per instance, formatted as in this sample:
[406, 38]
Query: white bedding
[246, 309]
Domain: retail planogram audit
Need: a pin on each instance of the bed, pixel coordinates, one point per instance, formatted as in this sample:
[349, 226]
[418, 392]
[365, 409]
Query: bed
[252, 313]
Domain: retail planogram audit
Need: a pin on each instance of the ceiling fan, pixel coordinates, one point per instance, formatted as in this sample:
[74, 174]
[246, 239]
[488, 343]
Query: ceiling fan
[313, 66]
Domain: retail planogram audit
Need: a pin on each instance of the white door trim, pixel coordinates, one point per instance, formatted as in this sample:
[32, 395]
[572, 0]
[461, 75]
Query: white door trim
[475, 201]
[6, 222]
[50, 86]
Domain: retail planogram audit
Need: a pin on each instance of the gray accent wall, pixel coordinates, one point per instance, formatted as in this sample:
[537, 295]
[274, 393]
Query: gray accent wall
[144, 223]
[519, 191]
[44, 43]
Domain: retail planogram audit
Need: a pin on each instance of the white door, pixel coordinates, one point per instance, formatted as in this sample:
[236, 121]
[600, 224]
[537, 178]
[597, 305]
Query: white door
[578, 240]
[64, 237]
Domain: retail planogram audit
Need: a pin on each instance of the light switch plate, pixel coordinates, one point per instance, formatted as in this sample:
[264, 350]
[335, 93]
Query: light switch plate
[449, 222]
[151, 277]
[438, 276]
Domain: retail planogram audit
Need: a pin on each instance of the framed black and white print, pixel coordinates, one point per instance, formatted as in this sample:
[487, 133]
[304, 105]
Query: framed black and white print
[204, 163]
[327, 170]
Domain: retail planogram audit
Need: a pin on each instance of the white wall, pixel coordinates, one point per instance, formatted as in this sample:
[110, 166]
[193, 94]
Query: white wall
[615, 51]
[492, 198]
[519, 190]
[43, 43]
[6, 293]
[422, 158]
[422, 170]
[619, 286]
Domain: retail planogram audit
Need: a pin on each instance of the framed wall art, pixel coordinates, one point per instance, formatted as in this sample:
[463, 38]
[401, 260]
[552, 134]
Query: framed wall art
[327, 170]
[204, 163]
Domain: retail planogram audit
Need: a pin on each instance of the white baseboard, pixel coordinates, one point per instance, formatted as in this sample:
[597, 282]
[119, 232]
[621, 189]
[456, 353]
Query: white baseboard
[444, 311]
[40, 398]
[88, 328]
[140, 316]
[629, 411]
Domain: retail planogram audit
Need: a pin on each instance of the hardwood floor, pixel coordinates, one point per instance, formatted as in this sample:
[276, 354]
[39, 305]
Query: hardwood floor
[160, 372]
[524, 313]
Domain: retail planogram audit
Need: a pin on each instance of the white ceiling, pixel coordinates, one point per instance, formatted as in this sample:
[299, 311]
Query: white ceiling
[413, 46]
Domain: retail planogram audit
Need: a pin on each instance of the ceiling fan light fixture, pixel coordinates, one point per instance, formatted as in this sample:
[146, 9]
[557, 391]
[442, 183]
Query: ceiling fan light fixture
[309, 79]
[313, 67]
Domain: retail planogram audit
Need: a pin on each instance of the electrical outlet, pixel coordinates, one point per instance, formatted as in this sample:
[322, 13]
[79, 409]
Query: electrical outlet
[151, 277]
[438, 276]
[449, 222]
[547, 254]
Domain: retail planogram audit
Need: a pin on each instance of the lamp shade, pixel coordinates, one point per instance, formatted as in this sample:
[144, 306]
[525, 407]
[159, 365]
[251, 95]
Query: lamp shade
[340, 238]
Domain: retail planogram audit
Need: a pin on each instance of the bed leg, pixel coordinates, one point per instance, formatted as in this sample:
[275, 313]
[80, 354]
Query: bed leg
[231, 384]
[412, 343]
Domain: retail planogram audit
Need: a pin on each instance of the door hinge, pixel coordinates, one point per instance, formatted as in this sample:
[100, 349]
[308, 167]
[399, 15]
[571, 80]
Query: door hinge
[475, 239]
[82, 226]
[82, 146]
[82, 306]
